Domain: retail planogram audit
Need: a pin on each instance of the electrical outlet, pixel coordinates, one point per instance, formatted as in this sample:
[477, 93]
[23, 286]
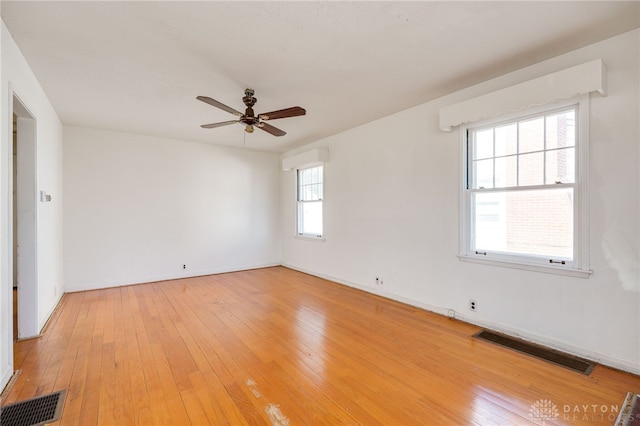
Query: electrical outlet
[184, 266]
[378, 281]
[473, 305]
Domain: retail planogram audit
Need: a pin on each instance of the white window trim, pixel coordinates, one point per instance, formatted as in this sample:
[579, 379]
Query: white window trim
[297, 233]
[309, 237]
[580, 264]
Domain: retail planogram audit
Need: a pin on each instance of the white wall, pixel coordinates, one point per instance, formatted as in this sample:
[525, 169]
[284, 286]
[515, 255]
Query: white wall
[17, 78]
[137, 208]
[391, 210]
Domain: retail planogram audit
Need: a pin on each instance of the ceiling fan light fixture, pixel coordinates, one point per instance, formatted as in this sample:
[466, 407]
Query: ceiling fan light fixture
[249, 118]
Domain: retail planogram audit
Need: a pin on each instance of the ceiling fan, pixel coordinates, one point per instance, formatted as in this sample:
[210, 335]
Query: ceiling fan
[249, 119]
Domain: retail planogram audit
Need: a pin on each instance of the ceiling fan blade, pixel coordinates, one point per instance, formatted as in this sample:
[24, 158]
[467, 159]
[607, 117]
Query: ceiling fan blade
[270, 129]
[223, 123]
[283, 113]
[208, 100]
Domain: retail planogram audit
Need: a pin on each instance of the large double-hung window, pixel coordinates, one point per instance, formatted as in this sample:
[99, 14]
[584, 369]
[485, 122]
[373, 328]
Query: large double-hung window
[310, 192]
[522, 190]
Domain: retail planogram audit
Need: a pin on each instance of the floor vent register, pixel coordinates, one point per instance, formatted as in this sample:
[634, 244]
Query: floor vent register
[35, 411]
[556, 357]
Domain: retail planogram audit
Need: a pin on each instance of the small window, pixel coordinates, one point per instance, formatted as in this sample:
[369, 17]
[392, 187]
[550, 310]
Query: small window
[310, 193]
[522, 189]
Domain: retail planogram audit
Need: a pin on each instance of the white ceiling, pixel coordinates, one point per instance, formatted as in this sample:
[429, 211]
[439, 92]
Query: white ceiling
[138, 66]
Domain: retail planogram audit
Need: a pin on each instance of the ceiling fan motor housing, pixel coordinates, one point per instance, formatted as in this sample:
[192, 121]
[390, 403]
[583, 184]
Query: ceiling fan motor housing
[248, 98]
[249, 101]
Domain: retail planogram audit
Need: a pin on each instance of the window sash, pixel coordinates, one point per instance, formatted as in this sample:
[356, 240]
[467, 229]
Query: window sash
[500, 224]
[310, 218]
[548, 150]
[310, 184]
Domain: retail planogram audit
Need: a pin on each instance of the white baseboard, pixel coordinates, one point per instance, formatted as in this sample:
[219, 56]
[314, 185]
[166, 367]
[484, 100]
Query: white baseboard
[594, 356]
[167, 277]
[600, 358]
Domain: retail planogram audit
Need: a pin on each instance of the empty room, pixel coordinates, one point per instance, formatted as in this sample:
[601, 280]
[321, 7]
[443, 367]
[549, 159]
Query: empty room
[320, 212]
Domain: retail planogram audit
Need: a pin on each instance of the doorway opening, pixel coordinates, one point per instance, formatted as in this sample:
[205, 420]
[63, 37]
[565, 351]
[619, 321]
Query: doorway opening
[24, 227]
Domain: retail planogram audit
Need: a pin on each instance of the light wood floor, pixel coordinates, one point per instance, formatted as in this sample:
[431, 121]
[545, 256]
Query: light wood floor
[274, 346]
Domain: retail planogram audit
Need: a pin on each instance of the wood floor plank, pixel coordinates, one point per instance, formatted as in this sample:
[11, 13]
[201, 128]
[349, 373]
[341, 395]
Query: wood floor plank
[93, 382]
[274, 346]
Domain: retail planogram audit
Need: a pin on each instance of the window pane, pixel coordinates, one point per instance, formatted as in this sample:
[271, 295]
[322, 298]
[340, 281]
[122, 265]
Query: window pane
[506, 171]
[531, 135]
[531, 169]
[311, 192]
[490, 221]
[483, 174]
[538, 222]
[561, 130]
[561, 166]
[310, 219]
[507, 140]
[307, 193]
[483, 144]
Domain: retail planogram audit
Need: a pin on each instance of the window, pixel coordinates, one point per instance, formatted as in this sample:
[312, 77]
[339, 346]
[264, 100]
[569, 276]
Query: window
[310, 188]
[522, 187]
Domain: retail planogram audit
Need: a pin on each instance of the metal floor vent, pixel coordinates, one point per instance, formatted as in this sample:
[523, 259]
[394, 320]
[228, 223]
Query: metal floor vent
[34, 411]
[564, 360]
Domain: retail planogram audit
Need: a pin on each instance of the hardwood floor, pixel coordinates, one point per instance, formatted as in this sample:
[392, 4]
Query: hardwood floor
[275, 346]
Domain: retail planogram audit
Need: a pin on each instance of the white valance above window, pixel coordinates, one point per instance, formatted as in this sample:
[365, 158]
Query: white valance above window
[580, 79]
[306, 159]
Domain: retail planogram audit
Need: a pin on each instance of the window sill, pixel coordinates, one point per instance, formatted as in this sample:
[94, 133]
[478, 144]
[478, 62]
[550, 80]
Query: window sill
[309, 238]
[570, 272]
